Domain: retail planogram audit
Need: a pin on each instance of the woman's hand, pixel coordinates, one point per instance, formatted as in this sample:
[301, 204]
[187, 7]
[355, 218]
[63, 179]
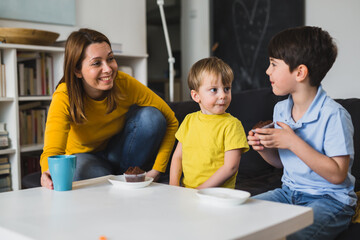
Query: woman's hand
[46, 180]
[154, 174]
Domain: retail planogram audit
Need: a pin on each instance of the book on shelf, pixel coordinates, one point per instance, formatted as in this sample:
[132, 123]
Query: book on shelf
[28, 77]
[5, 181]
[21, 76]
[25, 56]
[2, 81]
[5, 177]
[29, 105]
[4, 136]
[32, 118]
[35, 73]
[5, 171]
[4, 165]
[50, 75]
[30, 163]
[2, 77]
[4, 159]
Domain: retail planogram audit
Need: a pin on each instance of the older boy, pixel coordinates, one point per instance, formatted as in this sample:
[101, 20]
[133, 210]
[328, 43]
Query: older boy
[211, 141]
[313, 136]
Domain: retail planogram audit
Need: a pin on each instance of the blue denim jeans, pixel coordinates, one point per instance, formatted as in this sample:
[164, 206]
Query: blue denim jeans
[136, 145]
[331, 217]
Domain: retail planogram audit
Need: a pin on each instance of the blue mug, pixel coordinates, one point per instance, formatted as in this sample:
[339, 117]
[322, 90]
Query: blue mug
[62, 169]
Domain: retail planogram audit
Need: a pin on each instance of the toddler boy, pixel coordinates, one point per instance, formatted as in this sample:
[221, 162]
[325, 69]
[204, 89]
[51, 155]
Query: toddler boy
[211, 141]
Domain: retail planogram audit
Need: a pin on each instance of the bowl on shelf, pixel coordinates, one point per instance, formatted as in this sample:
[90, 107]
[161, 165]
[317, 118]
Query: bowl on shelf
[27, 36]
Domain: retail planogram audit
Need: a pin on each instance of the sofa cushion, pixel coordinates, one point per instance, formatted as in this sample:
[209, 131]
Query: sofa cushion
[352, 105]
[250, 107]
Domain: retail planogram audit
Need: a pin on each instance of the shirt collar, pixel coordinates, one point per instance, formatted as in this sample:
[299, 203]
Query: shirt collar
[311, 114]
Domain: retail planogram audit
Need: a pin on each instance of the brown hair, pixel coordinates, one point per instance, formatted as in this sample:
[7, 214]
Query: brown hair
[307, 45]
[211, 65]
[75, 47]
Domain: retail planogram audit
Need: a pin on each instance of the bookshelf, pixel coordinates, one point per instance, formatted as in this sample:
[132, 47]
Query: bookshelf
[10, 104]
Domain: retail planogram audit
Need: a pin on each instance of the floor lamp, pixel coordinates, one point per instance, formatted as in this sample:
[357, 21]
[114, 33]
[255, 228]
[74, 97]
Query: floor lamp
[171, 59]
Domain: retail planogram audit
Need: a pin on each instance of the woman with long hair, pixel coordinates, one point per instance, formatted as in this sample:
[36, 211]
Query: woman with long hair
[108, 119]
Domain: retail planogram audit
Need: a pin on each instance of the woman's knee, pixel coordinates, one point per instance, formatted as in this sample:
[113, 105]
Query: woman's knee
[90, 166]
[152, 118]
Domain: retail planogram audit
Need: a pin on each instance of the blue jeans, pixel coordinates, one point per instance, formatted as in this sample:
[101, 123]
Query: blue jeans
[136, 145]
[331, 217]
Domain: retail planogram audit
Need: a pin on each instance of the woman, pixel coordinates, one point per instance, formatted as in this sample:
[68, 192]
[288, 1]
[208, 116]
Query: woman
[104, 116]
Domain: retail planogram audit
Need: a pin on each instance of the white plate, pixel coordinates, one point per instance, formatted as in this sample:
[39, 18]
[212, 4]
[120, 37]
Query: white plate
[119, 181]
[223, 196]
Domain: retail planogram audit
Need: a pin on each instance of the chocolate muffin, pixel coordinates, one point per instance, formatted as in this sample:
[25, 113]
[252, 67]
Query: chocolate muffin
[262, 124]
[134, 174]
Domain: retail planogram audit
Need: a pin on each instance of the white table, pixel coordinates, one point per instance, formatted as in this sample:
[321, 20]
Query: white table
[96, 208]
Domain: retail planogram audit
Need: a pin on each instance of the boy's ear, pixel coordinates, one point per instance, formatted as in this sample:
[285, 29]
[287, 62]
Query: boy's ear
[195, 96]
[302, 72]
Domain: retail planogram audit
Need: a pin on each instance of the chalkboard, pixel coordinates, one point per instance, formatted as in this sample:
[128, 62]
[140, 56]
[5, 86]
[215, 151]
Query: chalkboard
[241, 31]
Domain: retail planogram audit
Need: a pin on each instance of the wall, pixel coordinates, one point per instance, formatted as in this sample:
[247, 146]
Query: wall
[195, 37]
[341, 19]
[122, 21]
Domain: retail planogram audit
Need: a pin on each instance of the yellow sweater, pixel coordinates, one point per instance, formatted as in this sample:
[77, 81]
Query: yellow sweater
[63, 136]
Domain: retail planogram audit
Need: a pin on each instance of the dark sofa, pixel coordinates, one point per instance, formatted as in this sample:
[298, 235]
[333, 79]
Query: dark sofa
[255, 175]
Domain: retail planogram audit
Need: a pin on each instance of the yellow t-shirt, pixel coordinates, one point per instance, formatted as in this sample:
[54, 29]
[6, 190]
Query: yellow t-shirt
[63, 136]
[205, 139]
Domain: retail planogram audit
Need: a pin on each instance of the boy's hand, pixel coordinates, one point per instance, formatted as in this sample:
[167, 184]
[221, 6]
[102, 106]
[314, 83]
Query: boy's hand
[254, 141]
[276, 138]
[259, 142]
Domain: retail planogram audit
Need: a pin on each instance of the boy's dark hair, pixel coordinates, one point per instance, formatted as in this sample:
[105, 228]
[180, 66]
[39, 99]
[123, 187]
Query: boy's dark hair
[210, 65]
[310, 46]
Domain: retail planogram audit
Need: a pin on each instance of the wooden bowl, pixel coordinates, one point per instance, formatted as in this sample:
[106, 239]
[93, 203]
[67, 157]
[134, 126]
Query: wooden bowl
[27, 36]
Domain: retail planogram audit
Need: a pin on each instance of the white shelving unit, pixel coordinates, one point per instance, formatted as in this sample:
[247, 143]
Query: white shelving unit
[9, 105]
[137, 62]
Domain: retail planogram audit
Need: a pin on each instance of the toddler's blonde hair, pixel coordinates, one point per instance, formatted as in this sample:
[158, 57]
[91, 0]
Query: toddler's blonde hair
[211, 65]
